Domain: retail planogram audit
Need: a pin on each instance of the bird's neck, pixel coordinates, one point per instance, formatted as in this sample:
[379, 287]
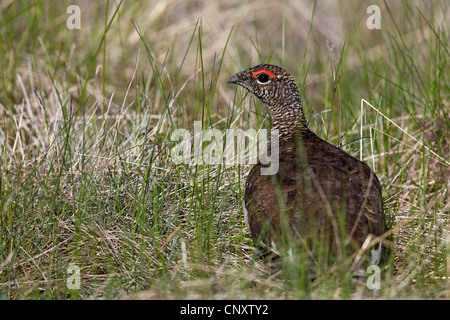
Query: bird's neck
[288, 119]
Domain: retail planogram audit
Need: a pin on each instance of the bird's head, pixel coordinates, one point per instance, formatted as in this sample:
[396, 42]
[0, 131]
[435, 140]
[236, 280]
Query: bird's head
[269, 83]
[277, 89]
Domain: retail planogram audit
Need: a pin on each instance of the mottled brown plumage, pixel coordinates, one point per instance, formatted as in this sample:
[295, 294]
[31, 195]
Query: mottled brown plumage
[320, 192]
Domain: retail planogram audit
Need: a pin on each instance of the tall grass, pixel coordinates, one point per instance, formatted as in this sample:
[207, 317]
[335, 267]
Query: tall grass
[86, 119]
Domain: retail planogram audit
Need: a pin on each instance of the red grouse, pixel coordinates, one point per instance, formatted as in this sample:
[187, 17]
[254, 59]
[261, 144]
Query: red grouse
[321, 195]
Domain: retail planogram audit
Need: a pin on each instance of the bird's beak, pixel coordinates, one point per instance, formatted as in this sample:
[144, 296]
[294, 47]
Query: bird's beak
[233, 79]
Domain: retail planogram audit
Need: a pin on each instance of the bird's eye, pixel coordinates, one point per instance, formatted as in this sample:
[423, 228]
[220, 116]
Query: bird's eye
[263, 78]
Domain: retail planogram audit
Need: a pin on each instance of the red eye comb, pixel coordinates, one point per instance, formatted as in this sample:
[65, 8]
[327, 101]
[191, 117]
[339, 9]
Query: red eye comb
[264, 71]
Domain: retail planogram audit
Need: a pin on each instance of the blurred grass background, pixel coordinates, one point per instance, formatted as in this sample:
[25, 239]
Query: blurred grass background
[86, 117]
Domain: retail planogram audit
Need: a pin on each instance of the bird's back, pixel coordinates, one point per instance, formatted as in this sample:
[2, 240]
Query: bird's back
[319, 192]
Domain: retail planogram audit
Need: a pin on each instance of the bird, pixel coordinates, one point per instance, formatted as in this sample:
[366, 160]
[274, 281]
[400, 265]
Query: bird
[320, 196]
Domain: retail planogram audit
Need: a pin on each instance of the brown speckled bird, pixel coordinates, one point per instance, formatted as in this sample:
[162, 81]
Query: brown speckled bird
[320, 194]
